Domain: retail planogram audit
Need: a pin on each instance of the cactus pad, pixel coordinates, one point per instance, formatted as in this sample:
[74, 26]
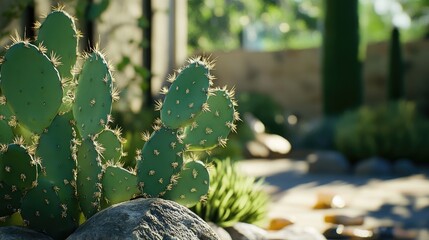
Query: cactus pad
[93, 101]
[119, 185]
[58, 34]
[186, 95]
[10, 199]
[161, 160]
[43, 210]
[18, 169]
[34, 93]
[89, 173]
[210, 129]
[55, 152]
[6, 130]
[192, 185]
[111, 142]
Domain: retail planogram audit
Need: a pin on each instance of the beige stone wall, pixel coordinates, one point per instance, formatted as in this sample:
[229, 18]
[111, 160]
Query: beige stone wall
[292, 77]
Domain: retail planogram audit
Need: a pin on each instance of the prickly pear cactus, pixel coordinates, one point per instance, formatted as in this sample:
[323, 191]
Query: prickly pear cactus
[195, 117]
[59, 158]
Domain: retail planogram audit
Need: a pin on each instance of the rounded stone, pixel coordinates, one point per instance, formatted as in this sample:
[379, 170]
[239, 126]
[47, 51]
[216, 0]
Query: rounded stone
[329, 162]
[14, 232]
[150, 218]
[374, 166]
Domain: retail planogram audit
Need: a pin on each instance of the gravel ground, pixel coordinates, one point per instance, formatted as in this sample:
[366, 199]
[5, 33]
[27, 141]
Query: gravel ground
[391, 201]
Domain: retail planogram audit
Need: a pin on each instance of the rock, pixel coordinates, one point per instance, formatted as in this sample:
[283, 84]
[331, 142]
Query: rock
[277, 145]
[297, 232]
[222, 233]
[279, 223]
[344, 219]
[374, 166]
[14, 232]
[245, 231]
[330, 162]
[405, 167]
[151, 218]
[329, 200]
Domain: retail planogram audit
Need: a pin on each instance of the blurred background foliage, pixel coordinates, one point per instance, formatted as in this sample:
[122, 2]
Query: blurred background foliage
[293, 24]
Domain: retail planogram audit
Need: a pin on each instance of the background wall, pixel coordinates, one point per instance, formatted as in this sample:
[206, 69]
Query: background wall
[292, 77]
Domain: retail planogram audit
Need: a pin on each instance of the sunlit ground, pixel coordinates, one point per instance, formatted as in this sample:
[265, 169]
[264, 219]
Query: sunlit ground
[401, 202]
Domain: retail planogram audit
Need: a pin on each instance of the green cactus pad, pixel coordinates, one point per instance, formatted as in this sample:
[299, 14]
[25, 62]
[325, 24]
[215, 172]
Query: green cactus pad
[10, 199]
[119, 185]
[112, 144]
[210, 129]
[161, 159]
[6, 135]
[43, 210]
[89, 174]
[186, 95]
[55, 152]
[58, 34]
[18, 169]
[93, 100]
[34, 93]
[192, 185]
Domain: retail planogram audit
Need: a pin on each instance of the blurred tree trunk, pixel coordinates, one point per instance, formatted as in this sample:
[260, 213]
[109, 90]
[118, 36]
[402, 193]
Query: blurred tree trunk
[147, 52]
[341, 67]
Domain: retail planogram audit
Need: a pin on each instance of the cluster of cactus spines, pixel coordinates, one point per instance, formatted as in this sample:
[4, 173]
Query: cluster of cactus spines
[59, 158]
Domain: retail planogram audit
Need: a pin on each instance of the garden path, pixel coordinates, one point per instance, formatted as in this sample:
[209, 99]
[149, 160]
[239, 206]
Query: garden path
[389, 201]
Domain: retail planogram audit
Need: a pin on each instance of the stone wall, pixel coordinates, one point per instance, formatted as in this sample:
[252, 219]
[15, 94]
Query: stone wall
[292, 77]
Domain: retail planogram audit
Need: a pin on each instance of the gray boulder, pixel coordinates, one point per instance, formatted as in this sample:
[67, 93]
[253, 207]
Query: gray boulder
[404, 167]
[246, 231]
[327, 162]
[151, 218]
[374, 166]
[14, 232]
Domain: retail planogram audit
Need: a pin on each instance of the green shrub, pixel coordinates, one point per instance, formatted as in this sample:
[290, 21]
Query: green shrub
[233, 197]
[394, 130]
